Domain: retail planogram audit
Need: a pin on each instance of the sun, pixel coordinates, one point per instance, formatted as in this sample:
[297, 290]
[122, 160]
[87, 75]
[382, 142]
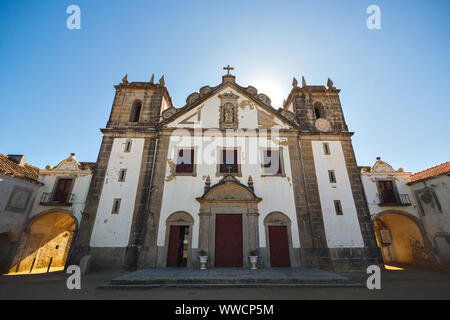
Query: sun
[273, 88]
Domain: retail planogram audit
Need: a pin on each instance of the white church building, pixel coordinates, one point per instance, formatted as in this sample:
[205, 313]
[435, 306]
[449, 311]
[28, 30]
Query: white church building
[226, 176]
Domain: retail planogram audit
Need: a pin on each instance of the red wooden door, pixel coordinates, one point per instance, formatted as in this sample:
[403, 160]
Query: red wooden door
[172, 255]
[279, 249]
[229, 240]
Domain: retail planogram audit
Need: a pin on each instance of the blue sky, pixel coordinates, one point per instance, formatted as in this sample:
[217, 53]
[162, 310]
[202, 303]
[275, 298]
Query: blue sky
[57, 84]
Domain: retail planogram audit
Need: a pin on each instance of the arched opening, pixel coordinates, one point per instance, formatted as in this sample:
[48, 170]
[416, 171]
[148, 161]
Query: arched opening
[179, 239]
[5, 249]
[135, 111]
[318, 110]
[279, 241]
[401, 240]
[44, 245]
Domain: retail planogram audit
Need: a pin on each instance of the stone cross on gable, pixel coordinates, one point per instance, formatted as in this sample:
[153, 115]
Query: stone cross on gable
[228, 68]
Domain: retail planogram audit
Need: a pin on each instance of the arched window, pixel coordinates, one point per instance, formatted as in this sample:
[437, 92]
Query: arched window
[318, 110]
[135, 111]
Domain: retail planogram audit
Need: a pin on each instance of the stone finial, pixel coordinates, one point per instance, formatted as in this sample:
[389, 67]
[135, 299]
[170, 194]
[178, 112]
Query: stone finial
[125, 79]
[152, 79]
[330, 84]
[294, 82]
[303, 82]
[207, 183]
[250, 182]
[162, 82]
[378, 158]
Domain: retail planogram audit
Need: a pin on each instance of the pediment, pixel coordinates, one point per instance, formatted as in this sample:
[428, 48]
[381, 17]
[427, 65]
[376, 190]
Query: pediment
[204, 109]
[382, 167]
[67, 165]
[229, 188]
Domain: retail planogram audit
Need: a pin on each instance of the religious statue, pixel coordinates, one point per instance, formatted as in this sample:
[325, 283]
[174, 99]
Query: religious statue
[228, 113]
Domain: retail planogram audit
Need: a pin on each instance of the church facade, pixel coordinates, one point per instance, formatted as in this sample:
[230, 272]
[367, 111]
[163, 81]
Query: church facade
[227, 176]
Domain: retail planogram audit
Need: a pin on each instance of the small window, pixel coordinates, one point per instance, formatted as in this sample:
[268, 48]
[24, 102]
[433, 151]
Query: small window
[326, 148]
[128, 146]
[116, 206]
[332, 176]
[272, 162]
[185, 161]
[338, 207]
[135, 111]
[122, 175]
[229, 162]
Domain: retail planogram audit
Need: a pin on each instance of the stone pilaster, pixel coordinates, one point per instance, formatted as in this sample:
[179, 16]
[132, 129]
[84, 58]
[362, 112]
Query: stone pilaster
[83, 237]
[149, 251]
[204, 226]
[253, 215]
[141, 208]
[371, 253]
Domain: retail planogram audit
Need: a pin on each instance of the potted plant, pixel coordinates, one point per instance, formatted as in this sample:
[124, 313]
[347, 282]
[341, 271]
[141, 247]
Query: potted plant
[203, 259]
[253, 256]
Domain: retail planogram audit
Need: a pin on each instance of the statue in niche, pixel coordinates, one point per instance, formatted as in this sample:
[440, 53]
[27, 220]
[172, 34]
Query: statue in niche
[228, 113]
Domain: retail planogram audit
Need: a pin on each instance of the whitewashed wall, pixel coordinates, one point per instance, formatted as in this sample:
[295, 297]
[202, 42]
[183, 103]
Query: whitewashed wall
[401, 179]
[341, 230]
[113, 230]
[435, 221]
[80, 190]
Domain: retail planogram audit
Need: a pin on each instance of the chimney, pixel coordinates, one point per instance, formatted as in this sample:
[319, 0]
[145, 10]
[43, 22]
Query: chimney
[17, 158]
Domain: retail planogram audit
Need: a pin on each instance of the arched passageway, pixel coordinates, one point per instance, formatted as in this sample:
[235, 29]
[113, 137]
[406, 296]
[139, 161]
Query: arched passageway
[402, 240]
[45, 243]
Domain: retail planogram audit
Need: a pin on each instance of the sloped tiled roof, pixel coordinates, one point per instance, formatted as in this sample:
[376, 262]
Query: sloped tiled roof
[431, 172]
[10, 168]
[91, 165]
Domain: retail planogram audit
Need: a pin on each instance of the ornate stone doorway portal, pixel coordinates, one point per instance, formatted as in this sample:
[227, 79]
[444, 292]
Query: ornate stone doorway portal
[224, 208]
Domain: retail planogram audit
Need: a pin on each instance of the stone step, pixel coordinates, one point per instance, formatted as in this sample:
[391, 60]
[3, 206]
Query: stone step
[152, 278]
[110, 285]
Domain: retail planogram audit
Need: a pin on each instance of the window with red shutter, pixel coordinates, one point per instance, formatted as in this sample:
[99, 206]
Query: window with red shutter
[185, 161]
[229, 162]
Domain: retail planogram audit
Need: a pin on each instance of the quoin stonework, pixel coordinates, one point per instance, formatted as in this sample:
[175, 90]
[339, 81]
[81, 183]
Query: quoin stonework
[227, 176]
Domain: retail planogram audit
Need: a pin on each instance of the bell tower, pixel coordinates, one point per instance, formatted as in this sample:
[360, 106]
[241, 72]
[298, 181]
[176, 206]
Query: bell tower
[113, 222]
[331, 182]
[138, 104]
[317, 108]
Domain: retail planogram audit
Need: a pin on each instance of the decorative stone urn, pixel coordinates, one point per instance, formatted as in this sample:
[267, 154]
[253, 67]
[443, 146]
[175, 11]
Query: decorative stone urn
[253, 257]
[203, 259]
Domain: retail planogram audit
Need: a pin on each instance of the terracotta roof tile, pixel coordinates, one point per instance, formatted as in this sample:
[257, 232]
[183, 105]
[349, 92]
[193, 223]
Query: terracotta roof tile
[431, 172]
[26, 172]
[91, 165]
